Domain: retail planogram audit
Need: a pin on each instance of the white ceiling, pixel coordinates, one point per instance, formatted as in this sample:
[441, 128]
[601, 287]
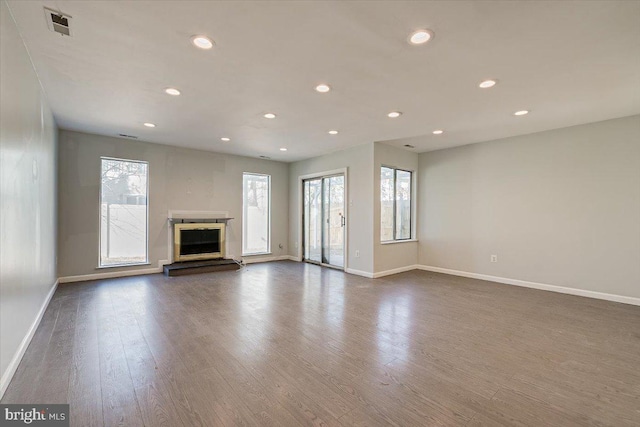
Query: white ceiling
[568, 62]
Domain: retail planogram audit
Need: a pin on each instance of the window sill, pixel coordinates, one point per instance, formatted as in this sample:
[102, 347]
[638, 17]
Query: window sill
[393, 242]
[100, 267]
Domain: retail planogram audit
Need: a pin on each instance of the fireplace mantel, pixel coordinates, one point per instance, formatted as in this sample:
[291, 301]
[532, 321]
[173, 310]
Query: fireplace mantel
[179, 217]
[188, 220]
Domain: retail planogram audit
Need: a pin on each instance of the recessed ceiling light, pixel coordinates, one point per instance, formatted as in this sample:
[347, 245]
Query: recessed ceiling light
[521, 113]
[333, 132]
[438, 132]
[203, 42]
[149, 125]
[420, 37]
[487, 84]
[269, 116]
[394, 114]
[323, 88]
[225, 139]
[283, 149]
[172, 91]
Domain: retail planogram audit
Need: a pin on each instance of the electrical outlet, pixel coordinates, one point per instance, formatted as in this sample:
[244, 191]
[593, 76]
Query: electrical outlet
[295, 245]
[357, 253]
[494, 258]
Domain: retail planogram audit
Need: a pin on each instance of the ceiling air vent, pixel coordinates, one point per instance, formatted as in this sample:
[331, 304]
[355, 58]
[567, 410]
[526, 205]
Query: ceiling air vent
[124, 135]
[58, 22]
[409, 146]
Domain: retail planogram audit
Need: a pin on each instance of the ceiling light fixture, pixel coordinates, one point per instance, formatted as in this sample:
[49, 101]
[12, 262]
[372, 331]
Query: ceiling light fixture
[521, 113]
[269, 116]
[323, 88]
[333, 132]
[438, 132]
[420, 37]
[149, 125]
[283, 149]
[487, 84]
[394, 114]
[225, 139]
[172, 91]
[202, 42]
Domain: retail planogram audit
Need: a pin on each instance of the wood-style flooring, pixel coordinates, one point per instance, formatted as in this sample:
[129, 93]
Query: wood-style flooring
[289, 344]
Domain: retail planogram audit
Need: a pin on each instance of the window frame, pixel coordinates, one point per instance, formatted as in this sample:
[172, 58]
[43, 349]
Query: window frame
[394, 199]
[146, 243]
[244, 216]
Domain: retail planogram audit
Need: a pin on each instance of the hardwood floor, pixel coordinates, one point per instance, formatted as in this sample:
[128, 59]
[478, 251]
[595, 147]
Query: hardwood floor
[288, 344]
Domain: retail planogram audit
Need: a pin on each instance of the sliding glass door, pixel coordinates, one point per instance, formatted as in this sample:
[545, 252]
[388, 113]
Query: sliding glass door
[324, 220]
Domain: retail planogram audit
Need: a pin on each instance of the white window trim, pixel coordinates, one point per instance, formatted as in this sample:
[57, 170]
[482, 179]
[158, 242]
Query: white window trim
[268, 252]
[412, 237]
[393, 242]
[122, 265]
[146, 243]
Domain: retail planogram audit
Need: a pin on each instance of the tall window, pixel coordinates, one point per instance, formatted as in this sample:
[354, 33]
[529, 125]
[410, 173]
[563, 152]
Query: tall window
[123, 212]
[256, 205]
[395, 204]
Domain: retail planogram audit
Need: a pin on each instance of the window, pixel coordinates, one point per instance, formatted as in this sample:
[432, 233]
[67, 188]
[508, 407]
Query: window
[256, 205]
[395, 204]
[123, 212]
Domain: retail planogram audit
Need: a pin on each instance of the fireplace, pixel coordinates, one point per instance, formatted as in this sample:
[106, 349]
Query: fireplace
[198, 241]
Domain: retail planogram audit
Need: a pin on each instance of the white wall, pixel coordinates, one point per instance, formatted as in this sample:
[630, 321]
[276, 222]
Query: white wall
[402, 254]
[560, 207]
[27, 196]
[179, 179]
[359, 162]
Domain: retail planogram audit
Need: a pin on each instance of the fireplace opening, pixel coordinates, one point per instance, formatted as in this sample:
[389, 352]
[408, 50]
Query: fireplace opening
[201, 241]
[198, 241]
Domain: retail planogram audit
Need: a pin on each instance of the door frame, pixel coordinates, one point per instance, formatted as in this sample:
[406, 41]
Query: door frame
[301, 179]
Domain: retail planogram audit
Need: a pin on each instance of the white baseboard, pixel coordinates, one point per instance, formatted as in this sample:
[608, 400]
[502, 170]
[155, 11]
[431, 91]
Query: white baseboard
[359, 273]
[114, 274]
[504, 280]
[534, 285]
[395, 271]
[17, 357]
[381, 273]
